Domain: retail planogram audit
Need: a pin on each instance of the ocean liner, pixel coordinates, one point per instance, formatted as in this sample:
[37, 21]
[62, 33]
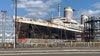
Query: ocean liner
[59, 28]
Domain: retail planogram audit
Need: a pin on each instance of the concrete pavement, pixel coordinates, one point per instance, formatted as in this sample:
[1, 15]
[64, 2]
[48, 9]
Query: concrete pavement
[32, 51]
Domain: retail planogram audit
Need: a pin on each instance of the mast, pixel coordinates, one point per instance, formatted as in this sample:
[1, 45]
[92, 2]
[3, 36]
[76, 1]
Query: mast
[58, 9]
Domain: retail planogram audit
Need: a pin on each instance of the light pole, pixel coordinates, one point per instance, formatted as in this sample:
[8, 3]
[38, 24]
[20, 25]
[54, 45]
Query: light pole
[15, 17]
[3, 26]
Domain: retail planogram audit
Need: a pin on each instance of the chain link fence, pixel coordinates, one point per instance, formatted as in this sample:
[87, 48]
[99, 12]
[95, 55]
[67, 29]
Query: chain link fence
[60, 44]
[50, 44]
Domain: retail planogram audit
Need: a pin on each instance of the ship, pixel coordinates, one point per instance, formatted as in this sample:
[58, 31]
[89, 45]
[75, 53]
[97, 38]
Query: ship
[54, 29]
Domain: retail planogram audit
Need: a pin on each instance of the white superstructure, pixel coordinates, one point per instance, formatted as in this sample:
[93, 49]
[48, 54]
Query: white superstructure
[56, 23]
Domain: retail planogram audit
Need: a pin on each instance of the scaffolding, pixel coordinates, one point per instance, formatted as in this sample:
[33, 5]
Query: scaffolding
[92, 29]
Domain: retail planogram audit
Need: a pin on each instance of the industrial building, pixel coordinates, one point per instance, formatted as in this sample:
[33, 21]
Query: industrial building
[92, 29]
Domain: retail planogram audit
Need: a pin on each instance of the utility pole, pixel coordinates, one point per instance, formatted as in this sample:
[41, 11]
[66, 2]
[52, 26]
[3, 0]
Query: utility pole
[3, 26]
[15, 17]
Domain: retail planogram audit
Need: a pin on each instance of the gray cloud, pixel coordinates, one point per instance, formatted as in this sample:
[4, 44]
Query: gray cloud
[92, 12]
[96, 5]
[37, 8]
[89, 13]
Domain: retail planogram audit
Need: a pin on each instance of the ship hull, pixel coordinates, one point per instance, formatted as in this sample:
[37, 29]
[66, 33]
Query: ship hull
[26, 28]
[32, 31]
